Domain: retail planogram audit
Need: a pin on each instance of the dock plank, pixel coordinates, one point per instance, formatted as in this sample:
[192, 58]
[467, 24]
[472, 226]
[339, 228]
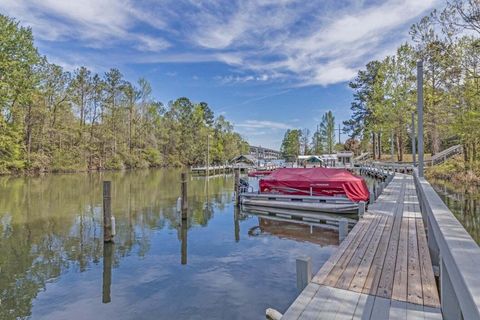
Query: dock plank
[373, 277]
[401, 267]
[385, 285]
[398, 310]
[328, 266]
[363, 311]
[339, 267]
[381, 309]
[415, 294]
[429, 286]
[360, 276]
[302, 301]
[350, 270]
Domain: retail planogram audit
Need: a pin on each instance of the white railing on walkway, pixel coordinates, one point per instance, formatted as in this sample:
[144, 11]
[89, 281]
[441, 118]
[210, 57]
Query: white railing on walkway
[454, 251]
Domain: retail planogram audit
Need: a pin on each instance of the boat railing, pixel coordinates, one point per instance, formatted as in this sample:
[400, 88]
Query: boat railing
[455, 255]
[274, 196]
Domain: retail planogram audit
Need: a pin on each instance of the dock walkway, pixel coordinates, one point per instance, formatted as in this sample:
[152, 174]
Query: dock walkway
[382, 270]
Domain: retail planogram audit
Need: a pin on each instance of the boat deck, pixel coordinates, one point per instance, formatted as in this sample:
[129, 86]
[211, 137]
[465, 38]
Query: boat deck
[382, 270]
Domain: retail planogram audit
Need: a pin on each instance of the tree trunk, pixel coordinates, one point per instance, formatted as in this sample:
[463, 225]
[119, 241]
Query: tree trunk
[400, 146]
[379, 146]
[374, 147]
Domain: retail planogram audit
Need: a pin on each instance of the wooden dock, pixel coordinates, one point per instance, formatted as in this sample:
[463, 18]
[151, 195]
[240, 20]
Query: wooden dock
[382, 270]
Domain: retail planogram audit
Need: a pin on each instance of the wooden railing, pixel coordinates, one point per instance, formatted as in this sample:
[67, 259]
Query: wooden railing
[454, 252]
[446, 154]
[363, 156]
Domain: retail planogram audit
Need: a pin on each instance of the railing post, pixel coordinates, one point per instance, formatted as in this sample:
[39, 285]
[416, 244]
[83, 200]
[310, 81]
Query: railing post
[448, 299]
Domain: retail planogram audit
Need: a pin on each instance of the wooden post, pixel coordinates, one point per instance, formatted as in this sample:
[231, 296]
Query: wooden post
[342, 229]
[304, 272]
[107, 212]
[361, 208]
[237, 187]
[184, 205]
[236, 213]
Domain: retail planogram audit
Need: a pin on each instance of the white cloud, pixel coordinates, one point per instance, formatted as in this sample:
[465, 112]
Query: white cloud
[322, 50]
[97, 23]
[262, 124]
[302, 42]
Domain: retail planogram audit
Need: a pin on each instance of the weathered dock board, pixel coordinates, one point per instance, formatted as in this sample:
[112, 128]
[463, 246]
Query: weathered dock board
[381, 271]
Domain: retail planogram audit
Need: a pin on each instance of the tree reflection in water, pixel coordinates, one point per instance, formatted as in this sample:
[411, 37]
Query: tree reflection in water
[463, 201]
[54, 223]
[53, 258]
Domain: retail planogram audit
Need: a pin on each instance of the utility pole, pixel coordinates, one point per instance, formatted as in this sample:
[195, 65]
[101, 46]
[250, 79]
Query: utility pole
[413, 140]
[208, 155]
[317, 138]
[339, 134]
[420, 115]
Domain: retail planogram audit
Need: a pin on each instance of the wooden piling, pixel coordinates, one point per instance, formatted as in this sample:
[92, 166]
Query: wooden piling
[342, 229]
[107, 212]
[236, 213]
[304, 272]
[184, 205]
[237, 187]
[361, 208]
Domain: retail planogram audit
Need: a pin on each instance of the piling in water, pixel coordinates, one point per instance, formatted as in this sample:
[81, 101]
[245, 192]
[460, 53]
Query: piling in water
[342, 229]
[304, 272]
[361, 208]
[237, 187]
[184, 202]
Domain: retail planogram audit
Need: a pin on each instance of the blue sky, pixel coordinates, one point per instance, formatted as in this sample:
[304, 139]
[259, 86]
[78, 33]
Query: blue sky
[267, 65]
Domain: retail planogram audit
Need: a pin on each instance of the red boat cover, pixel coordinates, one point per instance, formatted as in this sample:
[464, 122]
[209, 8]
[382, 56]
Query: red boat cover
[323, 181]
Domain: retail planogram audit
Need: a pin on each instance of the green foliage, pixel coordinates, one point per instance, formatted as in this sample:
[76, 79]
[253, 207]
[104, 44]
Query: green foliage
[290, 147]
[327, 130]
[52, 120]
[385, 91]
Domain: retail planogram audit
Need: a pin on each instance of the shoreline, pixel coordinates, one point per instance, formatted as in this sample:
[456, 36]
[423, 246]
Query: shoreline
[455, 170]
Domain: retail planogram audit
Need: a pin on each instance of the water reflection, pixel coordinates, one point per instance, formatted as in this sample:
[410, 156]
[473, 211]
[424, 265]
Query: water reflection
[108, 249]
[298, 232]
[184, 240]
[464, 201]
[53, 258]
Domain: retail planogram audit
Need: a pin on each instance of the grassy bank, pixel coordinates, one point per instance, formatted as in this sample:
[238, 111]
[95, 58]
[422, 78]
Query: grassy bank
[456, 170]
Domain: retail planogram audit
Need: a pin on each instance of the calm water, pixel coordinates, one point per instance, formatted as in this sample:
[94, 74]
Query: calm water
[464, 202]
[220, 264]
